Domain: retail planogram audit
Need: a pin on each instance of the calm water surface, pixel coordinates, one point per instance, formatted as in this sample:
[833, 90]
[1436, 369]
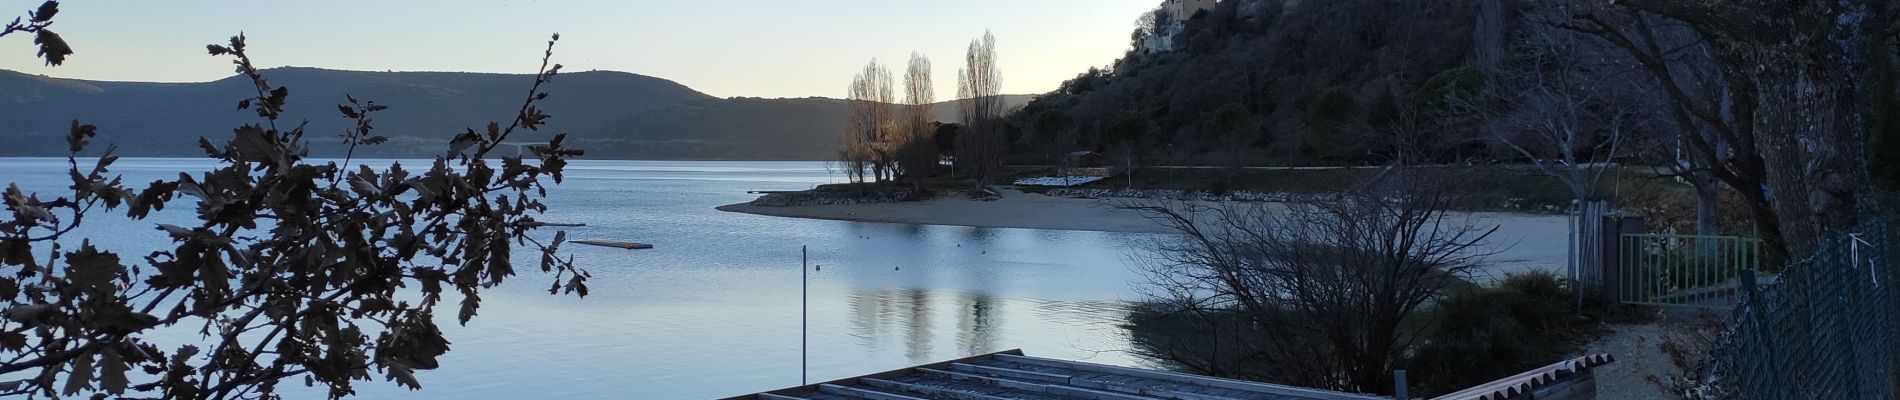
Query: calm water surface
[713, 310]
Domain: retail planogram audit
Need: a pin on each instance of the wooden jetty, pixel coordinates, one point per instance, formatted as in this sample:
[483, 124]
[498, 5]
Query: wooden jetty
[559, 224]
[615, 243]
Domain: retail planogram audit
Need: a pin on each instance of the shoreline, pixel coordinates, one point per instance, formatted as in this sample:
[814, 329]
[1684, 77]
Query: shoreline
[1522, 242]
[1015, 209]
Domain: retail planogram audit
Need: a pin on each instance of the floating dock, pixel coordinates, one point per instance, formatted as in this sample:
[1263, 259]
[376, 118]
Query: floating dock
[615, 243]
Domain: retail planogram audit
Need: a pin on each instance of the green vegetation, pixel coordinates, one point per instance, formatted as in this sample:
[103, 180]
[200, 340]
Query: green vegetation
[1481, 334]
[1475, 335]
[1328, 304]
[1279, 83]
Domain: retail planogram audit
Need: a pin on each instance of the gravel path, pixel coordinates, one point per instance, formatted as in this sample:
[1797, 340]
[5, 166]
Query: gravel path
[1637, 358]
[1639, 355]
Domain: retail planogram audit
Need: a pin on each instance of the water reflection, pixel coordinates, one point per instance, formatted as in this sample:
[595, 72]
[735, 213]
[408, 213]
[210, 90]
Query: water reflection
[976, 324]
[917, 342]
[913, 231]
[978, 233]
[910, 319]
[715, 310]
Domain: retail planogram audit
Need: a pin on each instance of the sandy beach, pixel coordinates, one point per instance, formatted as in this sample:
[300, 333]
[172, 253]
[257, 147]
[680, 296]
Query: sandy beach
[1523, 242]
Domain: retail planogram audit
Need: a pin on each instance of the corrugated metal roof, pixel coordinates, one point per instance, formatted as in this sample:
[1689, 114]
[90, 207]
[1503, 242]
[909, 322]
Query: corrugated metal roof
[1011, 376]
[1528, 381]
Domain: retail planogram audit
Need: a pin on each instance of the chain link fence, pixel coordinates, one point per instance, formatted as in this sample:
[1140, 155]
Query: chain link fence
[1825, 327]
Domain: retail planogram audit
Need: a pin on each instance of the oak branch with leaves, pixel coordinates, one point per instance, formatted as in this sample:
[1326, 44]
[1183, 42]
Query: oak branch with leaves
[325, 271]
[52, 48]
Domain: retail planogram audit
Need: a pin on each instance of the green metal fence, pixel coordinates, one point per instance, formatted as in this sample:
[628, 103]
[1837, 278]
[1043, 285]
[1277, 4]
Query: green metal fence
[1827, 328]
[1683, 270]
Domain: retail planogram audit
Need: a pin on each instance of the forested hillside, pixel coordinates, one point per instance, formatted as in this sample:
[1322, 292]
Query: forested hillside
[1286, 82]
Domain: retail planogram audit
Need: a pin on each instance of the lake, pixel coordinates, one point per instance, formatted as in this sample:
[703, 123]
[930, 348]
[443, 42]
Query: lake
[713, 310]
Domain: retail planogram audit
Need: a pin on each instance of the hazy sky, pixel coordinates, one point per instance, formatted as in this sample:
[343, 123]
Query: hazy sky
[722, 47]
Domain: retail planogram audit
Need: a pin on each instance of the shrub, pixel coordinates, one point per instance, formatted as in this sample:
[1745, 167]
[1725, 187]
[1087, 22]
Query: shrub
[1485, 333]
[1542, 300]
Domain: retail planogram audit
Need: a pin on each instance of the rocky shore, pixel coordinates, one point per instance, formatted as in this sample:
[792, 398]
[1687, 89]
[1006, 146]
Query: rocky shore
[825, 198]
[1166, 194]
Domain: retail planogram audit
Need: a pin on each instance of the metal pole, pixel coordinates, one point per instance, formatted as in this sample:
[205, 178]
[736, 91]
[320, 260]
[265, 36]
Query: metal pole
[804, 315]
[1399, 391]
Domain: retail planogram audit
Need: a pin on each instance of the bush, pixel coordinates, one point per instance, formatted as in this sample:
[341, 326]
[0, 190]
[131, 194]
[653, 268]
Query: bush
[1486, 333]
[1542, 300]
[1219, 188]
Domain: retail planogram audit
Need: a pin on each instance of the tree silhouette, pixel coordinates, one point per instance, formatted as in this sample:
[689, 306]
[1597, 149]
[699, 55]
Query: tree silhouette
[52, 48]
[293, 267]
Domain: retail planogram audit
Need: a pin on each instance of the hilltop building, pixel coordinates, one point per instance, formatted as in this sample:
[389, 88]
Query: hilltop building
[1179, 11]
[1176, 13]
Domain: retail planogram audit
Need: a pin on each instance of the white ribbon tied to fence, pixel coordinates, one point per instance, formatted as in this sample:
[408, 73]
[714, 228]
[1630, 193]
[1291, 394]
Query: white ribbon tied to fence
[1853, 244]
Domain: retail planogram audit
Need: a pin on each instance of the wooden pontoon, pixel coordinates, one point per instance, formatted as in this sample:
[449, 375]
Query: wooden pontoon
[615, 243]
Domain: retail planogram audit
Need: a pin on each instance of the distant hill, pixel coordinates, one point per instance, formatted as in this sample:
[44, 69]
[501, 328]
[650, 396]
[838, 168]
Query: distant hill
[612, 114]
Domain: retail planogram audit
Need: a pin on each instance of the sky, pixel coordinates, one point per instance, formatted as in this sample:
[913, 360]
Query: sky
[726, 48]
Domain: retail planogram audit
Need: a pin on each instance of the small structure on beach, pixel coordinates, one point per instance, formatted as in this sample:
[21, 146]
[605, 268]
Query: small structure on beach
[1083, 159]
[1059, 181]
[1011, 375]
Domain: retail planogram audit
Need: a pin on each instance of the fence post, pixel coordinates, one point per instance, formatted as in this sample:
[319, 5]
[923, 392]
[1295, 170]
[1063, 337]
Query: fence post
[1399, 391]
[1611, 259]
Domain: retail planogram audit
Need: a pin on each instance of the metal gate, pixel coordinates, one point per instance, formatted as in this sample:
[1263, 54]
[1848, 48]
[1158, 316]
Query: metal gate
[1684, 270]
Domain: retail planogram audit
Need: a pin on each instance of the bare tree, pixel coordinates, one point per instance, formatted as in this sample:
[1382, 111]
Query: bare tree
[1712, 110]
[1569, 116]
[980, 144]
[1337, 284]
[1129, 131]
[917, 152]
[866, 143]
[1673, 147]
[1559, 111]
[1487, 36]
[1798, 90]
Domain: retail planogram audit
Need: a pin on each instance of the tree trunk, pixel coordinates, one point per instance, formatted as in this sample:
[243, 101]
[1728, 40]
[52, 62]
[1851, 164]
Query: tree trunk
[1806, 64]
[1707, 209]
[1813, 143]
[1708, 195]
